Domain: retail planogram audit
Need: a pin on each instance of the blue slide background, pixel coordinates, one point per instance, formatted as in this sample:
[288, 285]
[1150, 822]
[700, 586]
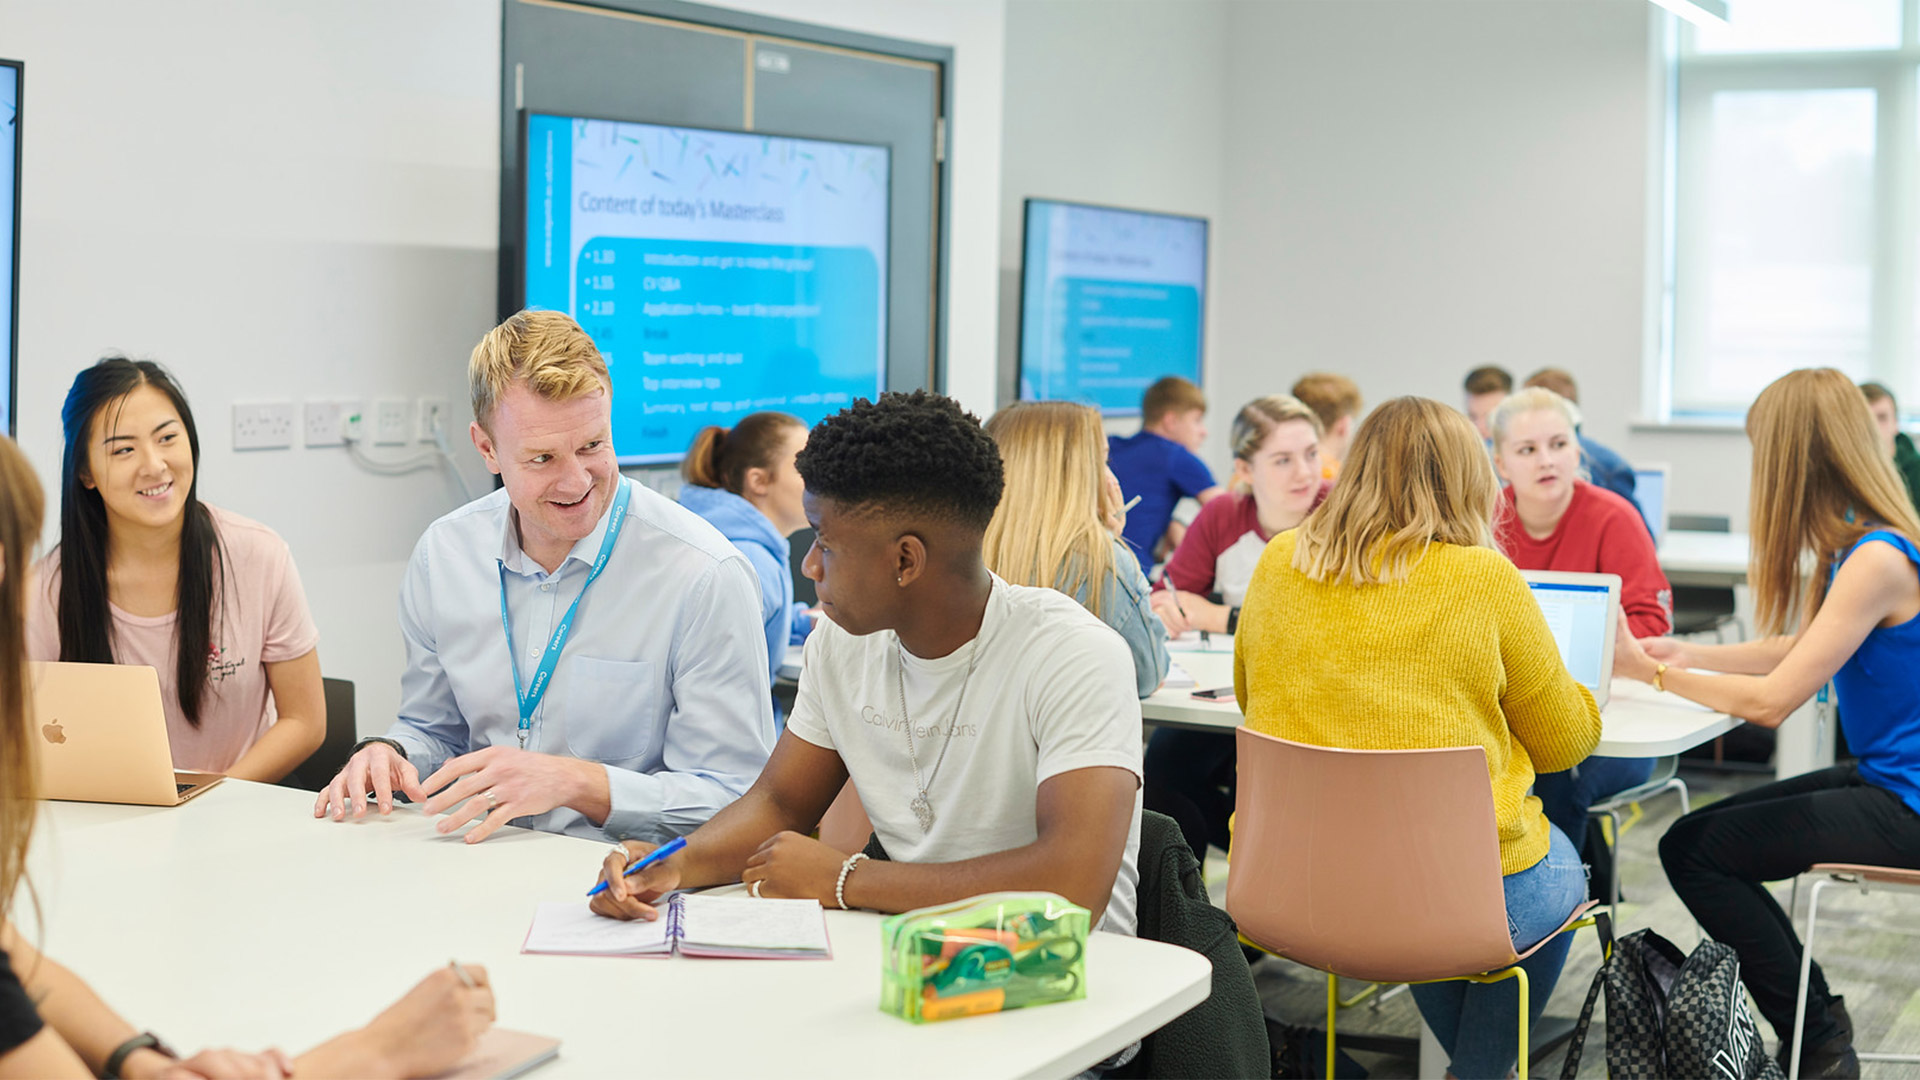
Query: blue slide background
[719, 273]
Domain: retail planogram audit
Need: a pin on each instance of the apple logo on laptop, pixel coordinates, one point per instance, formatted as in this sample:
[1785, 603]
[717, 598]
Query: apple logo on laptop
[53, 733]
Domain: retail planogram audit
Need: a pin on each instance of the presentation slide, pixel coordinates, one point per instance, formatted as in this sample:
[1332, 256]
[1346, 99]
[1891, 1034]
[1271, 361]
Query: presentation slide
[9, 219]
[719, 273]
[1112, 300]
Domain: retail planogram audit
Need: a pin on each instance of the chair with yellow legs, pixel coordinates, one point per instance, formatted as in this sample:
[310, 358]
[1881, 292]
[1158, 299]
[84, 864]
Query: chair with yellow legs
[1401, 886]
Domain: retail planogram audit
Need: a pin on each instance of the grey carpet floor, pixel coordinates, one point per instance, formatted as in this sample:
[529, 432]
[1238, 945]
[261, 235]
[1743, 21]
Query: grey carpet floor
[1869, 946]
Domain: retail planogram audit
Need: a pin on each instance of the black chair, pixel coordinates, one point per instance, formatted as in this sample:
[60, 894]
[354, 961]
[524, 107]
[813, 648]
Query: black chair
[1701, 609]
[323, 764]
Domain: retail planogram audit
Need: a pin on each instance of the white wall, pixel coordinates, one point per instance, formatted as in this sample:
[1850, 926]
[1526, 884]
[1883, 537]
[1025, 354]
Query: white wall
[1415, 188]
[300, 200]
[280, 202]
[1401, 189]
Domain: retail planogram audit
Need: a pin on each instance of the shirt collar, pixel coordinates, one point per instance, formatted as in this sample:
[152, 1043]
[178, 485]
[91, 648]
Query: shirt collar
[584, 550]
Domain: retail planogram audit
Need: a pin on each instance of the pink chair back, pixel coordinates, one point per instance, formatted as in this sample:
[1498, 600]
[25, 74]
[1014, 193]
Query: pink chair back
[845, 827]
[1374, 864]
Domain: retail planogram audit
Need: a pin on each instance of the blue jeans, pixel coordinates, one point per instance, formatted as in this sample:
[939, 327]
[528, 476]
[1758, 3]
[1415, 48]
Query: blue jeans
[1565, 796]
[1476, 1024]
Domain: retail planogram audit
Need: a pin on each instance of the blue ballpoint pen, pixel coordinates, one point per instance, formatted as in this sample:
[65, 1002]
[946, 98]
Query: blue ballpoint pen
[651, 857]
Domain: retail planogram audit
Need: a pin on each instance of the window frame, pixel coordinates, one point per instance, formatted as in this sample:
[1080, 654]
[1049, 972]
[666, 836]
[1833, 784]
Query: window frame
[1693, 79]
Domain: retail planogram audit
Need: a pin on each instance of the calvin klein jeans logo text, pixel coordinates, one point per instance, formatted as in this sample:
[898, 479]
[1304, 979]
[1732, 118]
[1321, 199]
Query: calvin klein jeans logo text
[951, 730]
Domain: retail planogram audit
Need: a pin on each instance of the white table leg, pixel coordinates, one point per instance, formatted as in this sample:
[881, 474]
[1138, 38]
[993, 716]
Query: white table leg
[1805, 741]
[1433, 1060]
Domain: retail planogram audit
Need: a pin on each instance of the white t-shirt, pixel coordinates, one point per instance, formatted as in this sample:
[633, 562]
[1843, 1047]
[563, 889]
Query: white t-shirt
[1052, 691]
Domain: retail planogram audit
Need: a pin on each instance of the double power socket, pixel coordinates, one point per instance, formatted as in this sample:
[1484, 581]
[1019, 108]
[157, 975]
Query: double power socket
[273, 425]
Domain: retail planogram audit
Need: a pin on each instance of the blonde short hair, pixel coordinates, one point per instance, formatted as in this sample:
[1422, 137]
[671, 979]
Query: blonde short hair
[1417, 475]
[1532, 399]
[544, 349]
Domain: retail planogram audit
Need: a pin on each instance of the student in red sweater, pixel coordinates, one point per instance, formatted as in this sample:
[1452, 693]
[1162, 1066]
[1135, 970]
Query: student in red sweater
[1276, 484]
[1551, 518]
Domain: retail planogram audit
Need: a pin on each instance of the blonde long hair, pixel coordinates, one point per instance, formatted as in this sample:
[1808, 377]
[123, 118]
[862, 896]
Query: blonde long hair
[1417, 474]
[22, 510]
[1049, 527]
[1820, 482]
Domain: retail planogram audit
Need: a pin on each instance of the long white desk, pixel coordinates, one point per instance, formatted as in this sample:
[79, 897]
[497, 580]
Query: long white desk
[1705, 558]
[1637, 722]
[239, 920]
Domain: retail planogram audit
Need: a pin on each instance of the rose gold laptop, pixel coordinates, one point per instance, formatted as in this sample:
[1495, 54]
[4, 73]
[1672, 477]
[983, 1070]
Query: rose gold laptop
[103, 736]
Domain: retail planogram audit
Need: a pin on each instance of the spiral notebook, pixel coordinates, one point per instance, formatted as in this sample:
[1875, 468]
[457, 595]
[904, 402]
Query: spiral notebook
[728, 927]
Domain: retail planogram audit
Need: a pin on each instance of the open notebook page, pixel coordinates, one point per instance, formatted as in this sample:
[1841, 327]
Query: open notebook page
[743, 923]
[569, 927]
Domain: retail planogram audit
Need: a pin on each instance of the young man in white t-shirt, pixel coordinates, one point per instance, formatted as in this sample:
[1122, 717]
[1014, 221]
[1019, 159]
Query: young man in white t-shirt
[992, 730]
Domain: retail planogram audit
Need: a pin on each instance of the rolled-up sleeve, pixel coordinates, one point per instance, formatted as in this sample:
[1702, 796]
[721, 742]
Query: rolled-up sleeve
[720, 720]
[429, 726]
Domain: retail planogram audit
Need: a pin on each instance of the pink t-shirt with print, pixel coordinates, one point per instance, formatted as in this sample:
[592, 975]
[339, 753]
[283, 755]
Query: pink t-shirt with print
[263, 620]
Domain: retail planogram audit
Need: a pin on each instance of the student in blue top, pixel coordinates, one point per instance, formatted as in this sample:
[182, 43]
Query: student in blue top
[1823, 497]
[1158, 466]
[744, 483]
[1058, 525]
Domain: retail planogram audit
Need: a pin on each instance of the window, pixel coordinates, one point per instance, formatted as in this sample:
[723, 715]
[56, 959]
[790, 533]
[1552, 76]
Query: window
[1794, 200]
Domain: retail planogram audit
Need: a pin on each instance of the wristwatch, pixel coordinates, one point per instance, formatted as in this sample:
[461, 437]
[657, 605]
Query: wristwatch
[146, 1040]
[1233, 619]
[1660, 678]
[364, 743]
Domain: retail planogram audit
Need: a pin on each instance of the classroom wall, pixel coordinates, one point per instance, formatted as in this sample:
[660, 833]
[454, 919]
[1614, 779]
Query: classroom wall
[1414, 188]
[300, 200]
[1401, 190]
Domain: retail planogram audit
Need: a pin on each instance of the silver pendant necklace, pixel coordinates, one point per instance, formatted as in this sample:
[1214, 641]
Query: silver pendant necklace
[921, 806]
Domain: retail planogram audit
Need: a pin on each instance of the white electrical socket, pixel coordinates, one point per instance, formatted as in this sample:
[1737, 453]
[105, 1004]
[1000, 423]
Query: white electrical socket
[392, 421]
[432, 412]
[265, 425]
[326, 423]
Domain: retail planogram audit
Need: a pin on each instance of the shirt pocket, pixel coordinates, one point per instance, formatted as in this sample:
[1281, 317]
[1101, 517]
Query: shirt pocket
[613, 708]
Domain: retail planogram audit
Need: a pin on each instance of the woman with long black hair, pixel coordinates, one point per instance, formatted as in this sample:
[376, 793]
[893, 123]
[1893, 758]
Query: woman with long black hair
[146, 573]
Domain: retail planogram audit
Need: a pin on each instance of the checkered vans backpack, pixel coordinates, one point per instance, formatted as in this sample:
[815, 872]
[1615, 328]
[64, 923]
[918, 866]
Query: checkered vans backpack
[1671, 1015]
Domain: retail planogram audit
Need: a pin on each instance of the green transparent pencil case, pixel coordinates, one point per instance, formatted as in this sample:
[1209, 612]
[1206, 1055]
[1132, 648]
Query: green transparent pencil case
[983, 955]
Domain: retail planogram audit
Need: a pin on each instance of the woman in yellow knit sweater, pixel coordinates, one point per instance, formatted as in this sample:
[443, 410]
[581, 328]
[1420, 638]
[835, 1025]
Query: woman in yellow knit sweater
[1389, 620]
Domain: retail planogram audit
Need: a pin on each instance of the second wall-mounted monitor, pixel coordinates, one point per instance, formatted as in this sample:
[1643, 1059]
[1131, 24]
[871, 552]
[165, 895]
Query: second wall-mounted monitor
[721, 273]
[1111, 301]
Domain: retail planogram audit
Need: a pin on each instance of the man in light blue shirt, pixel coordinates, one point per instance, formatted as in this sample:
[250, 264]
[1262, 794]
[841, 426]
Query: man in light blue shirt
[583, 655]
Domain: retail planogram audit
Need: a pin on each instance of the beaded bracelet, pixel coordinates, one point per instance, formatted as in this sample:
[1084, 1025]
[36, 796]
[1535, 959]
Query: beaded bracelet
[840, 887]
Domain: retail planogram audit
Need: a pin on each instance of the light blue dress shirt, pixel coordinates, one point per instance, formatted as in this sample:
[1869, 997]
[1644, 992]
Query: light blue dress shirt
[663, 680]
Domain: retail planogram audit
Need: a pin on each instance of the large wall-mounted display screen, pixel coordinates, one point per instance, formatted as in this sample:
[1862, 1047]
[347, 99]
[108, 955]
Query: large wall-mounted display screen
[1111, 300]
[9, 233]
[720, 273]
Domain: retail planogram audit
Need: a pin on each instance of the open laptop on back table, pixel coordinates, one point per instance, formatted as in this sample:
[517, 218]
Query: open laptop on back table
[1583, 611]
[103, 736]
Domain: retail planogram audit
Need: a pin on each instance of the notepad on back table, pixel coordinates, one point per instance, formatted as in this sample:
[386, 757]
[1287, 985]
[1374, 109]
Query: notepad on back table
[734, 927]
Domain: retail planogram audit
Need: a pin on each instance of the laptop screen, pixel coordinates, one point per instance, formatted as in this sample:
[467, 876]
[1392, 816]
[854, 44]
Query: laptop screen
[1650, 491]
[1577, 615]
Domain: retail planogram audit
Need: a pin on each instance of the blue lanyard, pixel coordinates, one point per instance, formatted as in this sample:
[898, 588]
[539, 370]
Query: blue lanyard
[531, 695]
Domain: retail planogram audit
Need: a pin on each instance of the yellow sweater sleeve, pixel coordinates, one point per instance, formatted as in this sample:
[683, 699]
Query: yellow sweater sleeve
[1551, 715]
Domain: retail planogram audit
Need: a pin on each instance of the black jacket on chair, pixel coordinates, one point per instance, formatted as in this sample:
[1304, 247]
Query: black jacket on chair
[1225, 1035]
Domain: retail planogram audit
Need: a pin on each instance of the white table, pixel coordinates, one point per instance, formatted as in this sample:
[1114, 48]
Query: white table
[1637, 722]
[1705, 558]
[238, 919]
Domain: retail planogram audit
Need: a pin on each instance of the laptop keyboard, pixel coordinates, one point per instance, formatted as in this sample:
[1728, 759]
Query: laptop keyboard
[182, 789]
